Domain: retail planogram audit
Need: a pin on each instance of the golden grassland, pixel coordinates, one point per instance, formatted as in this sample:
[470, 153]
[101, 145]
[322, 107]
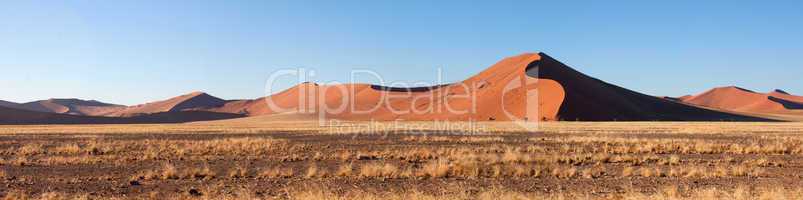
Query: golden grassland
[403, 160]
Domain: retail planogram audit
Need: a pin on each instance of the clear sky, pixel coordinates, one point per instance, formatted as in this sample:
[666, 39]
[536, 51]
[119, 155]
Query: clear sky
[130, 52]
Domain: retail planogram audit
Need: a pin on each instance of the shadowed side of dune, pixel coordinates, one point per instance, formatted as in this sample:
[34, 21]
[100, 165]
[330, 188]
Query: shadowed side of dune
[404, 89]
[590, 99]
[9, 104]
[786, 96]
[791, 105]
[198, 101]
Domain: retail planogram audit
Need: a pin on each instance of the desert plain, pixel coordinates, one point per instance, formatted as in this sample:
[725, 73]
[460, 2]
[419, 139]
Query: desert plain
[298, 159]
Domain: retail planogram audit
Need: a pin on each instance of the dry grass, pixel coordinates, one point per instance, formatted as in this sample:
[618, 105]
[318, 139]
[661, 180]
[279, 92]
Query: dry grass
[169, 172]
[452, 139]
[668, 193]
[436, 169]
[204, 173]
[277, 172]
[346, 170]
[238, 172]
[31, 149]
[379, 170]
[68, 149]
[314, 171]
[564, 160]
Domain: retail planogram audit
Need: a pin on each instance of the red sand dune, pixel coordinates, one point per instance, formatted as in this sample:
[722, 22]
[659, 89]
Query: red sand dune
[9, 104]
[365, 102]
[685, 97]
[19, 116]
[786, 96]
[526, 87]
[742, 100]
[72, 106]
[191, 101]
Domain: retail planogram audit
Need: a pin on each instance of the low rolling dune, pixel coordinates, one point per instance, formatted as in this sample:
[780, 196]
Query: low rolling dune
[72, 106]
[742, 100]
[18, 116]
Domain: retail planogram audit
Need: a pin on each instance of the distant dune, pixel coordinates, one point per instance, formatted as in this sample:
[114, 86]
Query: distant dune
[72, 106]
[738, 99]
[786, 96]
[191, 101]
[9, 104]
[18, 116]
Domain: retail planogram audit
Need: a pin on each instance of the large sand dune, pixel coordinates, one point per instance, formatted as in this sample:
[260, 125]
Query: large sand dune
[527, 87]
[482, 97]
[590, 99]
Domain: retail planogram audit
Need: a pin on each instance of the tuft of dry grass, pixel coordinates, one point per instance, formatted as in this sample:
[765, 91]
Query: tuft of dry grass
[31, 149]
[592, 173]
[628, 171]
[16, 195]
[68, 149]
[169, 172]
[345, 170]
[313, 171]
[671, 160]
[238, 172]
[564, 172]
[205, 173]
[646, 172]
[277, 172]
[436, 169]
[379, 170]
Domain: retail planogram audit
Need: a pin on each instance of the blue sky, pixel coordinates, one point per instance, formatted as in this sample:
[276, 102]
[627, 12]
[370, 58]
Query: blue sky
[130, 52]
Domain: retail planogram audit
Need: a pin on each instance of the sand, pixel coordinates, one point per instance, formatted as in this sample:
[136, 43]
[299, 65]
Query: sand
[72, 106]
[18, 116]
[527, 87]
[191, 101]
[742, 100]
[9, 104]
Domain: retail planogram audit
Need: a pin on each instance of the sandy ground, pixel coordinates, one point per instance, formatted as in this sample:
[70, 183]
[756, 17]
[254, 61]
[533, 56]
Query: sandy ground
[285, 159]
